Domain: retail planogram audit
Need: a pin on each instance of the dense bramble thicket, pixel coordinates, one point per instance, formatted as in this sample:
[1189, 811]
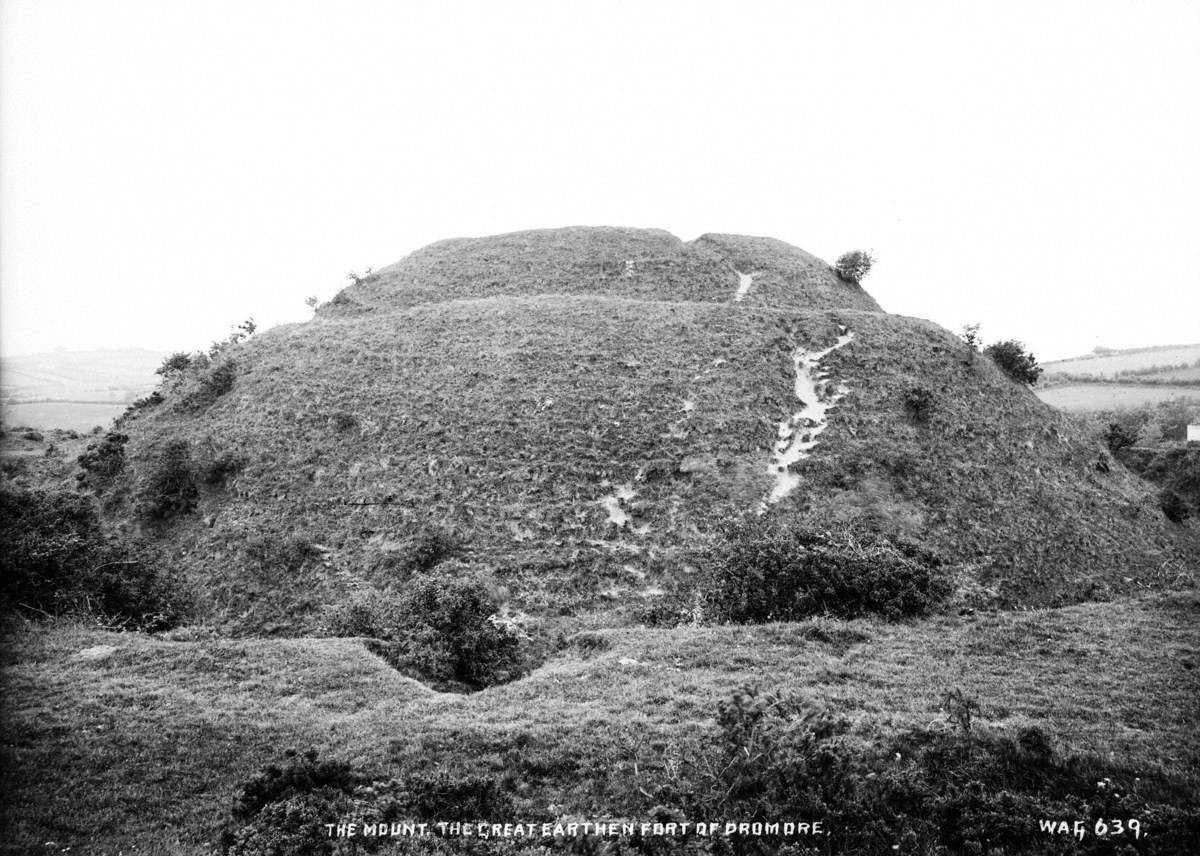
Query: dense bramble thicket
[55, 559]
[759, 571]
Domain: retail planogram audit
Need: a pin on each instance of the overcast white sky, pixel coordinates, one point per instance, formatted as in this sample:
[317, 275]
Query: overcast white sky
[170, 168]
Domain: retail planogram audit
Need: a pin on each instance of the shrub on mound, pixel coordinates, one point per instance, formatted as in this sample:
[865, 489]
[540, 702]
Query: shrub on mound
[919, 404]
[1173, 505]
[103, 461]
[430, 546]
[758, 571]
[854, 265]
[1015, 361]
[1121, 435]
[169, 488]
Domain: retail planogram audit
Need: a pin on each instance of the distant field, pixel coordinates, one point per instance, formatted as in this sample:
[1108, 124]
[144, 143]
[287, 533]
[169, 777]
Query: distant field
[1102, 396]
[91, 376]
[1128, 361]
[75, 390]
[75, 416]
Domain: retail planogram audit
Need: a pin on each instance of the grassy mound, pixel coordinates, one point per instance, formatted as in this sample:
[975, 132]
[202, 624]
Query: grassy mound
[528, 425]
[492, 465]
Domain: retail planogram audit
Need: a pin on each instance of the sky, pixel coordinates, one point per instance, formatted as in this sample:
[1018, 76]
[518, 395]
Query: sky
[170, 169]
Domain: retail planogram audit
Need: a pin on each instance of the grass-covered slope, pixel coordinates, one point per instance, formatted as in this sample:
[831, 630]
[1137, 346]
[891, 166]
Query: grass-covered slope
[523, 423]
[636, 263]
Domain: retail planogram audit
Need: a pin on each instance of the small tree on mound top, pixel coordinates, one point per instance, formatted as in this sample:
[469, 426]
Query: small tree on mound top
[854, 265]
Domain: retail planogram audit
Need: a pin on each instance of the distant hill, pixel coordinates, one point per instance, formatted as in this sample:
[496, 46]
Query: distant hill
[1136, 377]
[75, 389]
[584, 407]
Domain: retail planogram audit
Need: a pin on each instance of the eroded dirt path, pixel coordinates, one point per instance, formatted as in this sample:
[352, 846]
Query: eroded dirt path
[798, 433]
[745, 280]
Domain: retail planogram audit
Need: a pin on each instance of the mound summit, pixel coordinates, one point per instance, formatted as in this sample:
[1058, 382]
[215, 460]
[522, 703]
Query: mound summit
[583, 407]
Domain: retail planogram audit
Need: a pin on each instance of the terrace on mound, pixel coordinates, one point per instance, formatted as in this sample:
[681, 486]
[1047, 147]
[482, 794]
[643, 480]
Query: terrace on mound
[513, 389]
[647, 264]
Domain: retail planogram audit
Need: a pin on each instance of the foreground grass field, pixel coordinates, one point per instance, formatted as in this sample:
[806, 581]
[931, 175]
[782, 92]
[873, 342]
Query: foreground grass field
[127, 743]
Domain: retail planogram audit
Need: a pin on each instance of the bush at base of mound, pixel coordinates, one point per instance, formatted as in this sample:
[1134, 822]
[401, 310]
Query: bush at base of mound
[440, 628]
[55, 559]
[759, 571]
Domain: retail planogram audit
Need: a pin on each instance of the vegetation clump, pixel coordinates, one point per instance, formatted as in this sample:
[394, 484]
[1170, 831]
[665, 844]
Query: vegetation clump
[759, 571]
[1150, 441]
[956, 790]
[441, 628]
[211, 384]
[1120, 435]
[288, 553]
[429, 547]
[102, 461]
[169, 488]
[1012, 358]
[970, 337]
[176, 364]
[198, 378]
[284, 809]
[1174, 506]
[919, 404]
[854, 265]
[55, 559]
[221, 466]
